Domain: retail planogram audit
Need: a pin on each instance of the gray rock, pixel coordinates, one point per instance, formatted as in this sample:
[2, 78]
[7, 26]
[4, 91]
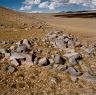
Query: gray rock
[74, 58]
[15, 62]
[43, 62]
[66, 39]
[16, 56]
[19, 43]
[10, 69]
[87, 77]
[71, 44]
[7, 55]
[36, 61]
[27, 43]
[90, 51]
[2, 51]
[72, 71]
[73, 61]
[51, 61]
[21, 48]
[61, 67]
[60, 43]
[59, 60]
[73, 54]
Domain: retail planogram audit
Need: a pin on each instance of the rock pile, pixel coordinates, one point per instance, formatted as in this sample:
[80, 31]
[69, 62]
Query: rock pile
[56, 49]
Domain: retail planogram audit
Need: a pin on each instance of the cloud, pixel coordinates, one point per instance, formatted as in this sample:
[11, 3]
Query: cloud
[44, 4]
[31, 2]
[35, 12]
[27, 4]
[26, 7]
[53, 4]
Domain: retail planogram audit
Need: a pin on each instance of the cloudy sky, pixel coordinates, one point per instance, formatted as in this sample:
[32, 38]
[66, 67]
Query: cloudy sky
[49, 5]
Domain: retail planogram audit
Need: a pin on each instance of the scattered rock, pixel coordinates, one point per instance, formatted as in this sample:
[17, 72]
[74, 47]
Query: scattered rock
[27, 43]
[59, 60]
[10, 69]
[21, 48]
[43, 61]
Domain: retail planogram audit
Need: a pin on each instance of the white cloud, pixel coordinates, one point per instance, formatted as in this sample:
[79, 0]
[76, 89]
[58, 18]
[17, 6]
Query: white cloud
[26, 7]
[53, 4]
[36, 12]
[44, 4]
[27, 4]
[31, 2]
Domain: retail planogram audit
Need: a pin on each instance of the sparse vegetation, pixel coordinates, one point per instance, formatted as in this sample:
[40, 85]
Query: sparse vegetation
[39, 80]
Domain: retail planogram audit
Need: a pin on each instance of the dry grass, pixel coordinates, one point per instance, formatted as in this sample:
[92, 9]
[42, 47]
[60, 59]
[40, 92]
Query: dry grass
[37, 81]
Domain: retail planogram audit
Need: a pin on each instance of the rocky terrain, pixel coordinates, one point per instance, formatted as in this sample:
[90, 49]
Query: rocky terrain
[37, 58]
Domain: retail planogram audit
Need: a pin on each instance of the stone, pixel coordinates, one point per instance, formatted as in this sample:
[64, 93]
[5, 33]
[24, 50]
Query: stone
[52, 36]
[72, 71]
[53, 80]
[16, 56]
[87, 77]
[51, 61]
[12, 48]
[73, 54]
[19, 43]
[43, 61]
[60, 43]
[59, 60]
[36, 61]
[15, 62]
[66, 39]
[10, 69]
[27, 43]
[7, 55]
[2, 51]
[71, 44]
[61, 67]
[90, 51]
[21, 48]
[74, 78]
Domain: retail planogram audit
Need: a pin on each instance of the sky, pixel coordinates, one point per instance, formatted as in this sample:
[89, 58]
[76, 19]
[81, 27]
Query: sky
[47, 6]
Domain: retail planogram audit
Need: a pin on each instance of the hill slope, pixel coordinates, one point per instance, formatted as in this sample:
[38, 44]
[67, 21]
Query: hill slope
[15, 25]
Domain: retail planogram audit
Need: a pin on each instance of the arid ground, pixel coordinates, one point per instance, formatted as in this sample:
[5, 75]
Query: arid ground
[37, 80]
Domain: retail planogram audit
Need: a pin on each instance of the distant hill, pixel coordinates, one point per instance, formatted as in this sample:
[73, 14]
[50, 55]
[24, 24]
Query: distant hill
[82, 14]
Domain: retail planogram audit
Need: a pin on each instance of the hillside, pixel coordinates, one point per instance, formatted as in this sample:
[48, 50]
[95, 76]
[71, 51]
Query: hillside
[12, 23]
[41, 54]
